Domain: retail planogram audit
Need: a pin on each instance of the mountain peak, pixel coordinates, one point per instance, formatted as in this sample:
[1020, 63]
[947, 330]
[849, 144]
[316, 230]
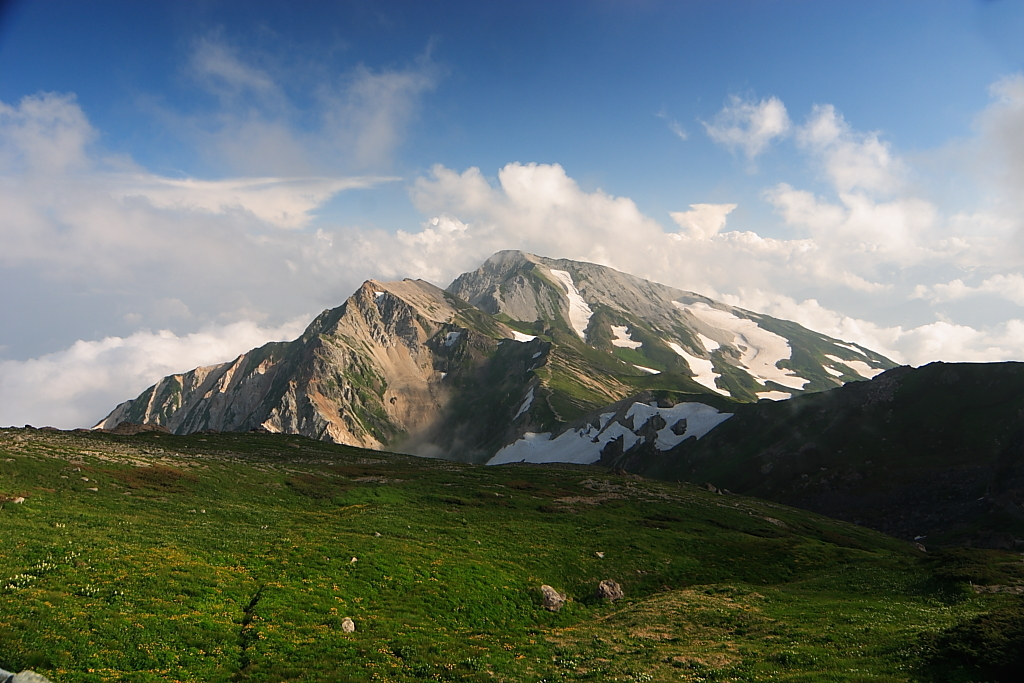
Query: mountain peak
[523, 344]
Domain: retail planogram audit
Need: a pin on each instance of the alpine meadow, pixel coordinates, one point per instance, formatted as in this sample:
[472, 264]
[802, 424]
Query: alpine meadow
[392, 341]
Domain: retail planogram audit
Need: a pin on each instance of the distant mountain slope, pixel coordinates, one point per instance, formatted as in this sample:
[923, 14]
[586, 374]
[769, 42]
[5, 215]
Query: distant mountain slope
[523, 345]
[934, 452]
[727, 350]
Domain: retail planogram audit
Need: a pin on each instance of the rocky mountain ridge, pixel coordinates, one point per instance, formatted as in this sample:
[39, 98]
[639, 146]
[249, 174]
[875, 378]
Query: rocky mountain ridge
[523, 345]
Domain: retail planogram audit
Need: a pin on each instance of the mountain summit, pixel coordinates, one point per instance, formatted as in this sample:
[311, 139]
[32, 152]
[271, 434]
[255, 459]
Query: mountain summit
[522, 345]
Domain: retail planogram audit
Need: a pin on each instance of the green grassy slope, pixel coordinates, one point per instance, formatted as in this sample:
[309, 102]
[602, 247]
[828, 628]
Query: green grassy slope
[235, 557]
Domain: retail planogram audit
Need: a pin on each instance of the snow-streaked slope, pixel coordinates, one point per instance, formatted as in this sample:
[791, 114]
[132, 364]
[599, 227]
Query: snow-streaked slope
[848, 346]
[623, 339]
[760, 350]
[583, 445]
[858, 366]
[702, 369]
[579, 311]
[527, 402]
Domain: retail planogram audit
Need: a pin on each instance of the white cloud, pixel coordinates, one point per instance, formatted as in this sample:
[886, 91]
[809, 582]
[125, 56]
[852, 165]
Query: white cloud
[220, 69]
[674, 125]
[76, 387]
[852, 160]
[282, 202]
[1009, 286]
[748, 125]
[42, 134]
[940, 340]
[355, 120]
[368, 117]
[703, 221]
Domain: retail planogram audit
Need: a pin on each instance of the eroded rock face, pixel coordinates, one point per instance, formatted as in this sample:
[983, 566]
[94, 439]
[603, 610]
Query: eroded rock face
[369, 373]
[609, 590]
[551, 599]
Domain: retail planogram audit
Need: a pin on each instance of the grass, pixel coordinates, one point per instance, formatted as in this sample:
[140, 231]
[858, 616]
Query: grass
[236, 557]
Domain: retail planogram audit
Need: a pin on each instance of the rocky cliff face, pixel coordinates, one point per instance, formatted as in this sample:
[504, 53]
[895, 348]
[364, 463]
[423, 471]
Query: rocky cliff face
[370, 373]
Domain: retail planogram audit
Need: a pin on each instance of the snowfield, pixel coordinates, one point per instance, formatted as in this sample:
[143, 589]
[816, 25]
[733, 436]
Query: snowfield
[623, 339]
[579, 311]
[702, 369]
[858, 366]
[774, 395]
[583, 446]
[760, 349]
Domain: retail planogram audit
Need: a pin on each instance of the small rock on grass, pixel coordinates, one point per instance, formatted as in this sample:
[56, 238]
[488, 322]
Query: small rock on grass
[23, 677]
[552, 599]
[347, 625]
[609, 590]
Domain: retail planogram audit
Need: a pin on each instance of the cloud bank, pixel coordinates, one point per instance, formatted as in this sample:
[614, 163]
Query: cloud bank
[80, 385]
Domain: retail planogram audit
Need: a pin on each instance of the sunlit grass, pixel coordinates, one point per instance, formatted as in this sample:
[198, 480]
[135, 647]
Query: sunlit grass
[239, 556]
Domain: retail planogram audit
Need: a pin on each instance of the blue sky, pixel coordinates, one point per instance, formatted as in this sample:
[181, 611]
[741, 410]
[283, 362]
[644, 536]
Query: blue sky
[185, 180]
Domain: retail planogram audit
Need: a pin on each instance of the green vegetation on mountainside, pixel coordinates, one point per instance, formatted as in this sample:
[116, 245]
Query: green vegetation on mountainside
[237, 557]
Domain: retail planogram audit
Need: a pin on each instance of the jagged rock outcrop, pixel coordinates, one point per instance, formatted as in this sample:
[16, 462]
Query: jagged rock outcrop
[369, 373]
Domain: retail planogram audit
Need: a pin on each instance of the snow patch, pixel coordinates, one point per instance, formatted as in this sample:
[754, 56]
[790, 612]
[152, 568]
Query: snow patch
[579, 311]
[700, 419]
[520, 337]
[623, 339]
[858, 366]
[526, 405]
[849, 346]
[774, 395]
[650, 371]
[761, 350]
[378, 295]
[451, 338]
[702, 369]
[833, 371]
[583, 445]
[538, 354]
[709, 344]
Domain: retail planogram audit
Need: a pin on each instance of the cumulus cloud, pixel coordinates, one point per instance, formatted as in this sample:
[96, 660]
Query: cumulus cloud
[749, 126]
[76, 387]
[703, 220]
[939, 340]
[1009, 286]
[45, 133]
[137, 237]
[852, 160]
